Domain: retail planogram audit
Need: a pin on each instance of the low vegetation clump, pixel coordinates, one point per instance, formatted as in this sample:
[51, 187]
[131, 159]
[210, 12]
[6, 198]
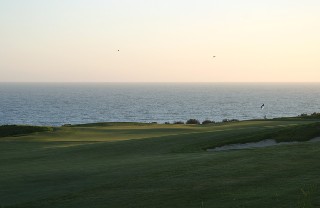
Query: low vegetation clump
[193, 121]
[66, 125]
[313, 115]
[16, 130]
[178, 122]
[229, 120]
[208, 122]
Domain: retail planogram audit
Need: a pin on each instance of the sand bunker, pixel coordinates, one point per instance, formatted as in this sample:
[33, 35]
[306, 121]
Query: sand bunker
[260, 144]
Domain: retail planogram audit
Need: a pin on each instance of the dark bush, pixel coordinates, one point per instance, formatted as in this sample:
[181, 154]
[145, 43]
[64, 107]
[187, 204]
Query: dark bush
[193, 121]
[178, 122]
[208, 122]
[229, 120]
[313, 115]
[166, 122]
[233, 120]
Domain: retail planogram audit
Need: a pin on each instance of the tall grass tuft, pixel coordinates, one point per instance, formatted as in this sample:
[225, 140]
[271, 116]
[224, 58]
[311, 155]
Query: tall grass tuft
[306, 196]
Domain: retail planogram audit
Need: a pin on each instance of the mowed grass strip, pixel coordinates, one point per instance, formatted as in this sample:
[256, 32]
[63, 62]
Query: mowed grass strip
[160, 166]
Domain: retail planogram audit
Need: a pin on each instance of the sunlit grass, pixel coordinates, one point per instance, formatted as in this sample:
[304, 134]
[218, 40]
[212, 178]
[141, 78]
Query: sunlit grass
[150, 165]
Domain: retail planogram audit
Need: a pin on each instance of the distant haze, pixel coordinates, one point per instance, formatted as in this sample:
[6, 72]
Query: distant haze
[159, 41]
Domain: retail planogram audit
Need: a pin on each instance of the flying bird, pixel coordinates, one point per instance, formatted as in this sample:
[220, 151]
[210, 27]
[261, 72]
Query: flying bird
[213, 56]
[262, 106]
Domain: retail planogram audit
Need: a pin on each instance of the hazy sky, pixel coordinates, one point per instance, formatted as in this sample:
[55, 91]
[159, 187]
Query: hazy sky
[160, 41]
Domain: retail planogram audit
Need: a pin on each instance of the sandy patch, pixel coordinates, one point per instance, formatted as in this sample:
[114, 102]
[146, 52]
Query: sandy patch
[317, 139]
[260, 144]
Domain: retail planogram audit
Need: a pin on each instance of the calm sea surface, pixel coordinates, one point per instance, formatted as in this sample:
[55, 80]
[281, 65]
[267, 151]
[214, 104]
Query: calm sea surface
[57, 104]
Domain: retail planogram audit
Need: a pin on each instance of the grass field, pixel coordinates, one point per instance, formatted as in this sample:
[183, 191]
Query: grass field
[152, 165]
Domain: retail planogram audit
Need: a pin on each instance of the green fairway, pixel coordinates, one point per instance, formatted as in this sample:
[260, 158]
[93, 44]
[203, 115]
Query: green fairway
[158, 165]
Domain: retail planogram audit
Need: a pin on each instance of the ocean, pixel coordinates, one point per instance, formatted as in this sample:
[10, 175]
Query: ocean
[56, 104]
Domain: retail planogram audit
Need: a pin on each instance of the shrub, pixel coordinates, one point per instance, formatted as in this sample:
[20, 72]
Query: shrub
[229, 120]
[233, 120]
[178, 122]
[312, 115]
[166, 122]
[193, 121]
[207, 122]
[315, 114]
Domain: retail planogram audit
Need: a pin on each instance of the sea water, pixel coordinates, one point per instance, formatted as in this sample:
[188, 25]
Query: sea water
[73, 103]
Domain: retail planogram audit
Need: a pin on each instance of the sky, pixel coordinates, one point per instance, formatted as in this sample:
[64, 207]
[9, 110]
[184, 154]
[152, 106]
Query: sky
[159, 41]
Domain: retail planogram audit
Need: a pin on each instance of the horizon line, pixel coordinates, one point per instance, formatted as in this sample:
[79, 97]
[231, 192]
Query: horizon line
[135, 82]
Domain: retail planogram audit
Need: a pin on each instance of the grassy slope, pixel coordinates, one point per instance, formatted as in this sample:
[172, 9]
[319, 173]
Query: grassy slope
[136, 165]
[18, 130]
